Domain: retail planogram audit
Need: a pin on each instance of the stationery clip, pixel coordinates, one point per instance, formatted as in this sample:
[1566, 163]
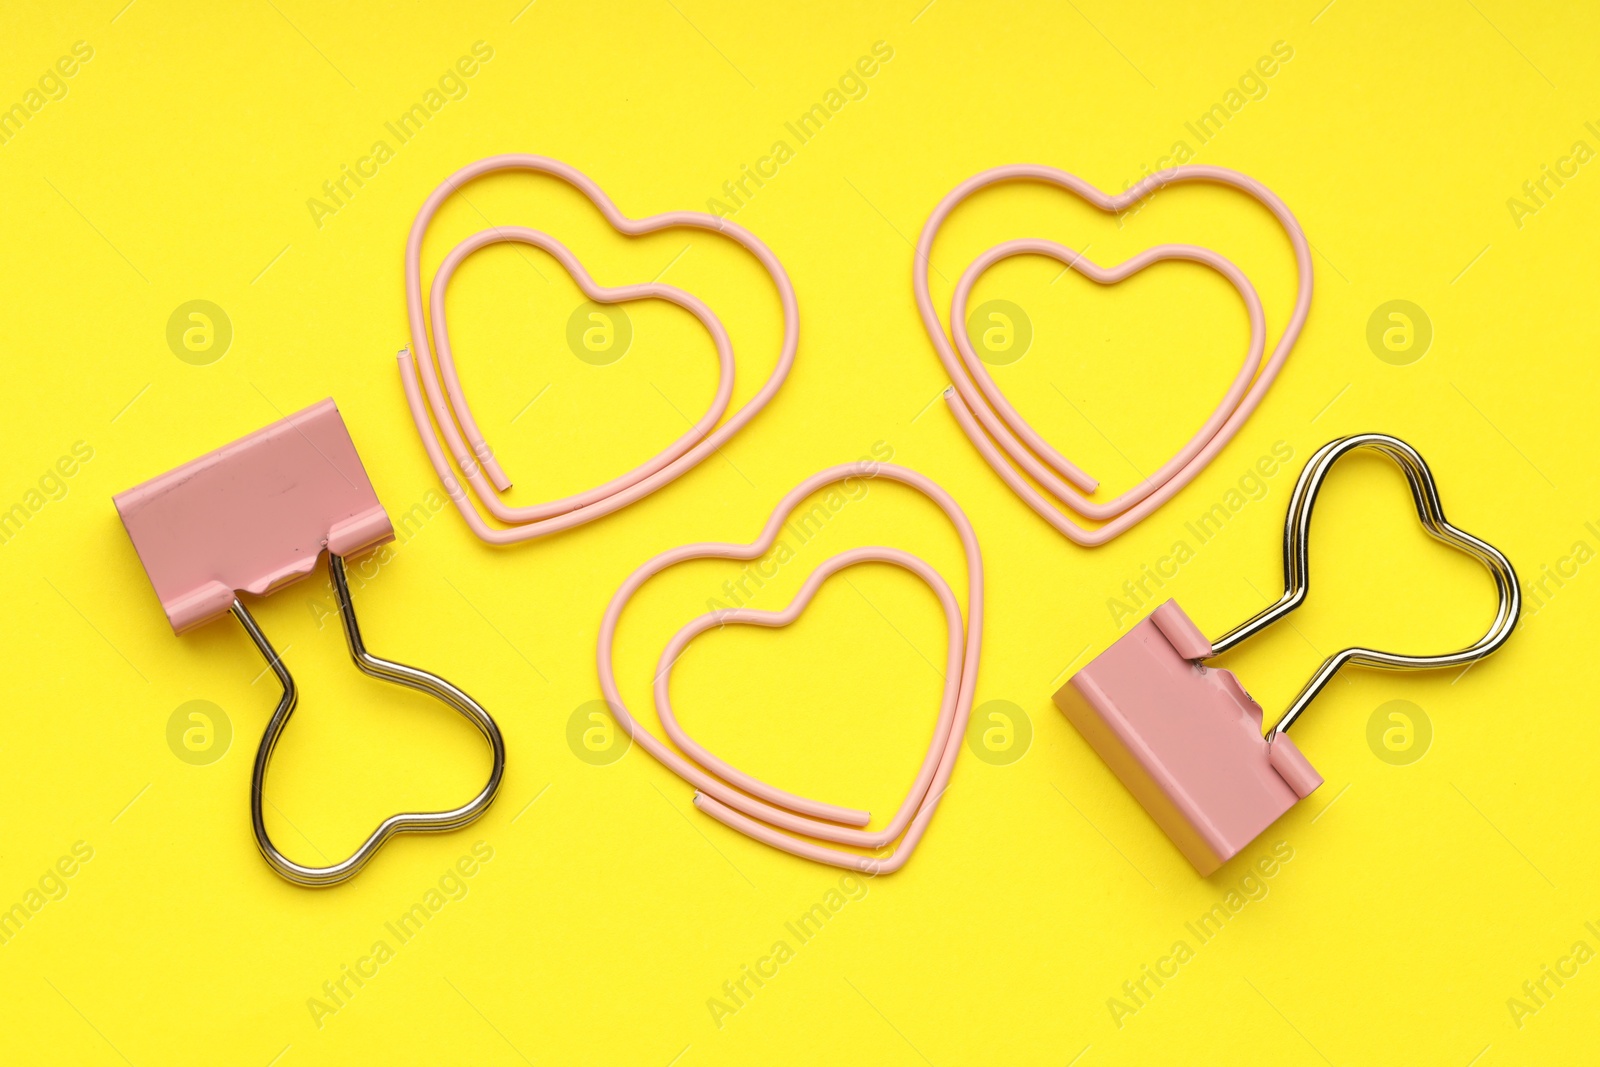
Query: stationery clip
[756, 808]
[435, 395]
[1019, 454]
[252, 517]
[1186, 738]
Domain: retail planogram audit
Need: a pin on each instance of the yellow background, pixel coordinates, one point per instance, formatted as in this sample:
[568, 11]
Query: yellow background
[178, 166]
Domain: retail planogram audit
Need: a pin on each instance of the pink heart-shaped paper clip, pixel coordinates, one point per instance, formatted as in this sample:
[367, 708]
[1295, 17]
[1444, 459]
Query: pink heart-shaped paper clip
[1006, 440]
[437, 396]
[752, 806]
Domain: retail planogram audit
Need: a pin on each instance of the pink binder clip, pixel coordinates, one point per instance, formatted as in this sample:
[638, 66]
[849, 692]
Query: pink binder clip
[252, 517]
[1186, 738]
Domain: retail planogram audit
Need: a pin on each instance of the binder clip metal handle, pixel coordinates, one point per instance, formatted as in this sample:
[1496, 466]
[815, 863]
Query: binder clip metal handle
[389, 671]
[254, 516]
[1297, 573]
[1186, 739]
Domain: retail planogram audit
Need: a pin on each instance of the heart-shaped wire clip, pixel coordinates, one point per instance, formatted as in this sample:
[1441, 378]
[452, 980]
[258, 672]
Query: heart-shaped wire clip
[999, 432]
[755, 808]
[1297, 574]
[436, 395]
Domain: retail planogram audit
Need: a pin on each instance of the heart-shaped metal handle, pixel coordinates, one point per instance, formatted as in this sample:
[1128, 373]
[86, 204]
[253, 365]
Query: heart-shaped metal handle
[388, 671]
[1297, 577]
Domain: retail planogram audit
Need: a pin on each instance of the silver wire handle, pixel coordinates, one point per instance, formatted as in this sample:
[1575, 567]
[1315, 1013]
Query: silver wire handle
[1297, 577]
[389, 671]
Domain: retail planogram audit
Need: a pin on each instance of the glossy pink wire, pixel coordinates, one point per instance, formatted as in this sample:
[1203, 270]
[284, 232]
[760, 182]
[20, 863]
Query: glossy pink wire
[437, 395]
[754, 807]
[1006, 440]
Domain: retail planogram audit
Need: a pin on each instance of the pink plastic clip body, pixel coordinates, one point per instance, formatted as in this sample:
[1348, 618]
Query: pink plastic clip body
[254, 515]
[1186, 739]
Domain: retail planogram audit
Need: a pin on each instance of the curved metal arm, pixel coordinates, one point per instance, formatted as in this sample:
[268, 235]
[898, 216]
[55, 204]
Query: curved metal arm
[1297, 578]
[389, 671]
